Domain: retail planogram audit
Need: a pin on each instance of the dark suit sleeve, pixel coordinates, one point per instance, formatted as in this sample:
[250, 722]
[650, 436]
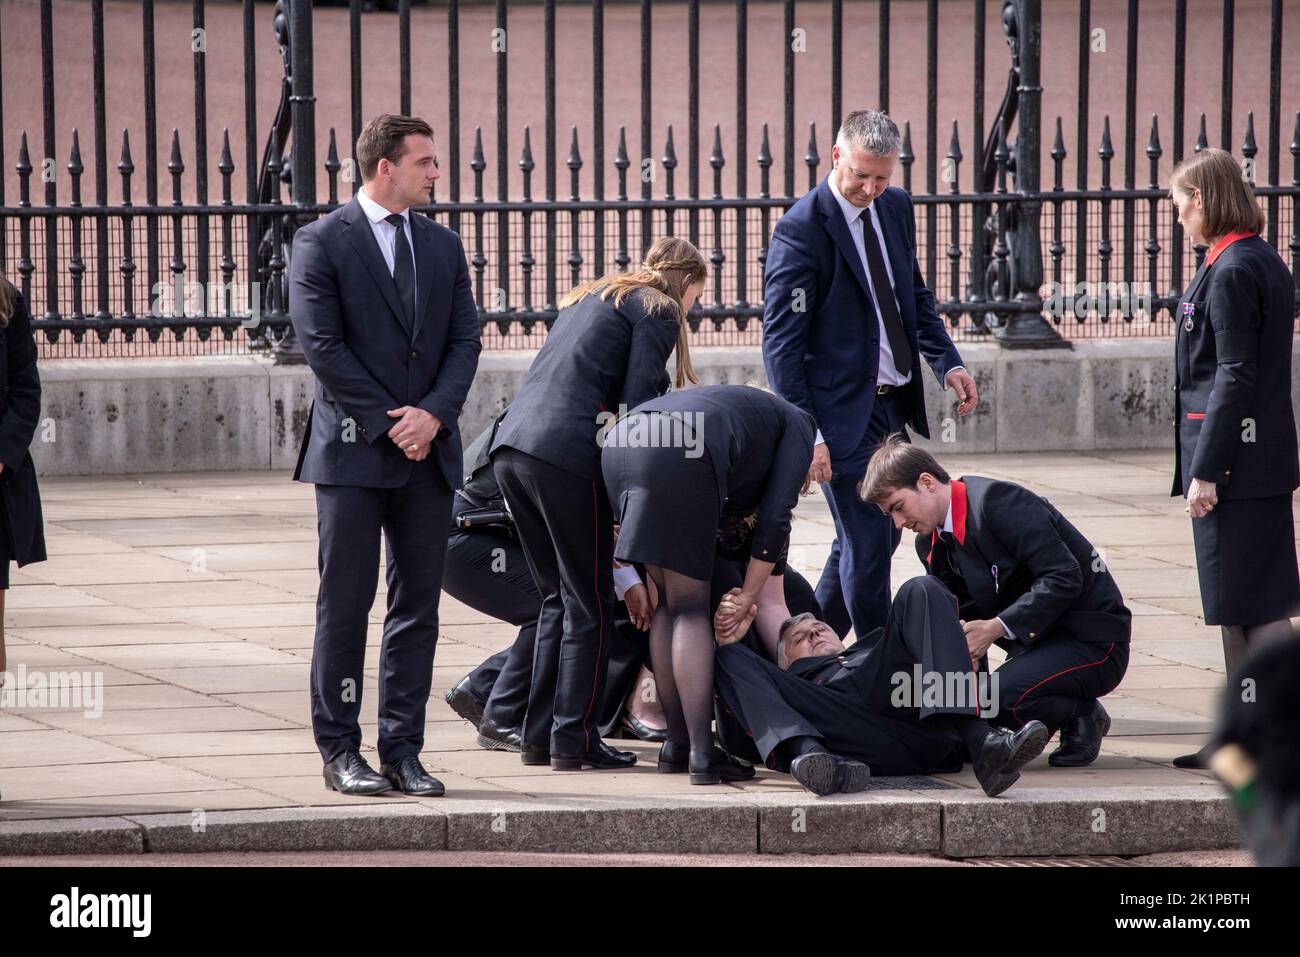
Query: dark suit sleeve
[1020, 521]
[460, 352]
[789, 303]
[653, 336]
[23, 403]
[317, 316]
[1234, 299]
[784, 480]
[931, 334]
[967, 610]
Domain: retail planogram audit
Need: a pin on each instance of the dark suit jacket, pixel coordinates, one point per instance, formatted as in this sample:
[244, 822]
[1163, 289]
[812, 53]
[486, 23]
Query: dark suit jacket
[760, 447]
[1015, 557]
[346, 312]
[597, 358]
[20, 411]
[1233, 366]
[825, 358]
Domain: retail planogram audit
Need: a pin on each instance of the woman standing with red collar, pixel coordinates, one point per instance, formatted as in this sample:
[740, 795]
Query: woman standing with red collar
[22, 536]
[1235, 437]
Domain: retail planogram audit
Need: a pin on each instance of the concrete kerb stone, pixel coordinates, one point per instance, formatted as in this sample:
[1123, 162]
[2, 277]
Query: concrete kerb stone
[1035, 822]
[1087, 821]
[880, 822]
[396, 827]
[623, 826]
[75, 835]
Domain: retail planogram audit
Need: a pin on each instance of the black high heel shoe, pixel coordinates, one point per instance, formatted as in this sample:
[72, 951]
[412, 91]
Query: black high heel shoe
[716, 765]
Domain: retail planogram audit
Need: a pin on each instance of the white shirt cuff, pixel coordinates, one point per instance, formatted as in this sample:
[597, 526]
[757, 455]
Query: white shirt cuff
[624, 578]
[945, 376]
[818, 440]
[1005, 629]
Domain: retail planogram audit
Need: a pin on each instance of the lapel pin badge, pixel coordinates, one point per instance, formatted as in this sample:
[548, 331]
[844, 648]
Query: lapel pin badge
[1189, 314]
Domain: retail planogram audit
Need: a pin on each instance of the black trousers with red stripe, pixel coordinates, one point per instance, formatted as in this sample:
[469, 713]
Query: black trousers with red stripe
[566, 529]
[1056, 679]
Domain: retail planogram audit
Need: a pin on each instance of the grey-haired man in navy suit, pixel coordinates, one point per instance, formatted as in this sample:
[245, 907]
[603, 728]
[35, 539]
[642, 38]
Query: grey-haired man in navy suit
[380, 300]
[847, 321]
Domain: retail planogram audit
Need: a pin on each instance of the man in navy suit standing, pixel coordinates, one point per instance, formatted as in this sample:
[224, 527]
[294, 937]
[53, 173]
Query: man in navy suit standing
[847, 319]
[381, 302]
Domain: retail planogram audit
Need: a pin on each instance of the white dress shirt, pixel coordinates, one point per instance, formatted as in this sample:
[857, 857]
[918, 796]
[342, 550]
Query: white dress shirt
[386, 233]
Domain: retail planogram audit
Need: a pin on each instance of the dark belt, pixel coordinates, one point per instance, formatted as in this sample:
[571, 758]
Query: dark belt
[886, 389]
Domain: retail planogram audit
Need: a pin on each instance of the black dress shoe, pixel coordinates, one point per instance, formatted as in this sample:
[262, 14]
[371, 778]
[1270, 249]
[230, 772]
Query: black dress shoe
[464, 703]
[1003, 753]
[1081, 739]
[824, 773]
[349, 774]
[534, 755]
[602, 757]
[716, 765]
[1196, 761]
[408, 776]
[495, 738]
[674, 758]
[642, 730]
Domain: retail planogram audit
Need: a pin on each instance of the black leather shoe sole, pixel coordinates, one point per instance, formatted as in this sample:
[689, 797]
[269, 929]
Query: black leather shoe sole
[824, 774]
[463, 703]
[1030, 747]
[496, 744]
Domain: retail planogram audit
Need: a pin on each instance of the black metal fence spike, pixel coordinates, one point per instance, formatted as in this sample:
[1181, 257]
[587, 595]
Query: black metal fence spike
[225, 163]
[1153, 143]
[526, 156]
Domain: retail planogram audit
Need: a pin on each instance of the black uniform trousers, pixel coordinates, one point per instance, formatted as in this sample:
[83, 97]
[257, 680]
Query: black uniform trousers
[1056, 679]
[414, 519]
[566, 528]
[853, 712]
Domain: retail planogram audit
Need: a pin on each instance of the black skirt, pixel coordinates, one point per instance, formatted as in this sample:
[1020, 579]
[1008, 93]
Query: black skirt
[6, 546]
[1246, 561]
[665, 501]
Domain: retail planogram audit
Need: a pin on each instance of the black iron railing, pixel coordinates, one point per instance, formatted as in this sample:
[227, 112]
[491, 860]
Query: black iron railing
[1004, 255]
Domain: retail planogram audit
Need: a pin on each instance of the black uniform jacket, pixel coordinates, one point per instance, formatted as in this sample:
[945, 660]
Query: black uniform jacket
[1015, 557]
[20, 411]
[598, 358]
[1232, 358]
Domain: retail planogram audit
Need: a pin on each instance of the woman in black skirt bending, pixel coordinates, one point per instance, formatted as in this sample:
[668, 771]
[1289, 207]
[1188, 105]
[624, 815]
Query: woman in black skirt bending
[605, 354]
[1235, 445]
[677, 469]
[22, 536]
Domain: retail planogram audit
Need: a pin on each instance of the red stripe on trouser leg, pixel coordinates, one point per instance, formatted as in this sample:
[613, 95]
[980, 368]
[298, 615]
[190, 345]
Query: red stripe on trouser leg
[1092, 664]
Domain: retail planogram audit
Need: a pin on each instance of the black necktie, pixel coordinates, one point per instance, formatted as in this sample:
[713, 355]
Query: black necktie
[885, 296]
[403, 268]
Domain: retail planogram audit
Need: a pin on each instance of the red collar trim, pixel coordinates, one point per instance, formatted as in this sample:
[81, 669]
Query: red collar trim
[1217, 249]
[958, 516]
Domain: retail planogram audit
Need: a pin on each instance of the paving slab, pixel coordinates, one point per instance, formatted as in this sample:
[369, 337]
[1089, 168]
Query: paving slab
[192, 597]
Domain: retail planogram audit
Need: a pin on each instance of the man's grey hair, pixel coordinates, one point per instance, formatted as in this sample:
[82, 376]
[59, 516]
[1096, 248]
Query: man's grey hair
[782, 657]
[869, 130]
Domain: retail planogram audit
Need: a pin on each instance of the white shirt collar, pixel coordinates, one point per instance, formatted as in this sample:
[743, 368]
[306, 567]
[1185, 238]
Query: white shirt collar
[947, 522]
[376, 213]
[851, 212]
